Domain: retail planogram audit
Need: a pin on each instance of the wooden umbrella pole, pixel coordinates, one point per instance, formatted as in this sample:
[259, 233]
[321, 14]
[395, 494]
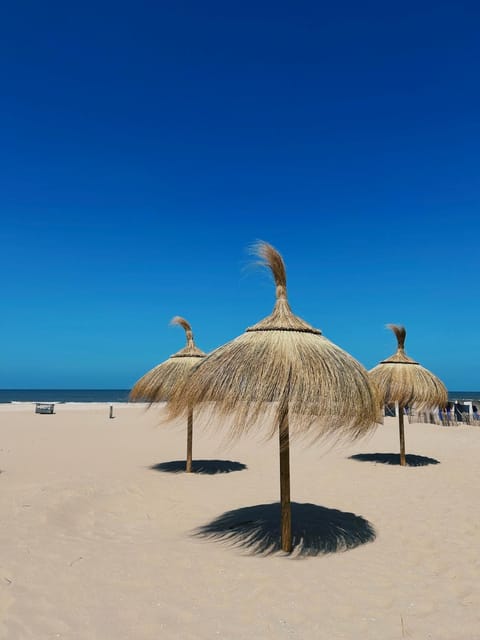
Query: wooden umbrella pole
[403, 460]
[188, 468]
[286, 510]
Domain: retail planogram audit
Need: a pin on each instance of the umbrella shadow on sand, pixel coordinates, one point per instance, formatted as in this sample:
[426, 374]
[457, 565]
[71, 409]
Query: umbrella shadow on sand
[315, 530]
[412, 460]
[207, 467]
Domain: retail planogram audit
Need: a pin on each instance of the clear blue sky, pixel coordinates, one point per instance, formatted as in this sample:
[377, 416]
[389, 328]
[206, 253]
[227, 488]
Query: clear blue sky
[146, 145]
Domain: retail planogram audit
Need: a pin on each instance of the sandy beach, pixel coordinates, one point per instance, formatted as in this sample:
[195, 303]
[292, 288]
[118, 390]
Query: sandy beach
[100, 542]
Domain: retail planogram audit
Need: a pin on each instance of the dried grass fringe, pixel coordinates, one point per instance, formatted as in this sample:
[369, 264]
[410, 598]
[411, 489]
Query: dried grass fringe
[328, 390]
[281, 363]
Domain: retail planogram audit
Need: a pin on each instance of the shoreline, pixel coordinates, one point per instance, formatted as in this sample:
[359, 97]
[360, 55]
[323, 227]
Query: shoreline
[29, 407]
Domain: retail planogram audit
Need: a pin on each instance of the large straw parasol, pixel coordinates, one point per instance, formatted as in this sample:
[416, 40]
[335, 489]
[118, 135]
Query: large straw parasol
[313, 387]
[402, 380]
[158, 384]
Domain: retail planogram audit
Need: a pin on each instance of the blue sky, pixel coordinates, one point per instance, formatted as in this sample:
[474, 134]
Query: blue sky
[146, 145]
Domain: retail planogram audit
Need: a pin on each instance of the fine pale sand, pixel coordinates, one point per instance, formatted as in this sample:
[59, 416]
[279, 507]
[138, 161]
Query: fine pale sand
[98, 545]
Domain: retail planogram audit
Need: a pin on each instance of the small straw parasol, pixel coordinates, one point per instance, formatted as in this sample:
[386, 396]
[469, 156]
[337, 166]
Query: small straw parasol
[158, 384]
[402, 380]
[313, 387]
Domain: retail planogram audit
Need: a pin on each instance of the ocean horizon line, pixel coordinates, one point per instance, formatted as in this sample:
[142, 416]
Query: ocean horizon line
[119, 395]
[71, 395]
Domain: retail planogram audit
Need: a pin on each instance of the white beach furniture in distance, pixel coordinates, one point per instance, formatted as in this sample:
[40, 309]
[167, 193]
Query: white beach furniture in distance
[44, 407]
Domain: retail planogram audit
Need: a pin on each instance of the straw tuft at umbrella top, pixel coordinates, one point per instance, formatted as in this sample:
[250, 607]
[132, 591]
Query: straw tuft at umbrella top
[399, 356]
[191, 350]
[158, 384]
[401, 379]
[282, 317]
[282, 361]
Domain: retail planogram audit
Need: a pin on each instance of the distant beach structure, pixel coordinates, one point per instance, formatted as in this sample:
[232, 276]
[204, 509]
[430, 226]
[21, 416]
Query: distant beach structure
[45, 407]
[159, 384]
[402, 380]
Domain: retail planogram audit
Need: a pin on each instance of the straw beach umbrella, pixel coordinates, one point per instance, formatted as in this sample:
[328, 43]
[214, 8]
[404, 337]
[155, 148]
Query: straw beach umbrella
[401, 379]
[159, 384]
[313, 387]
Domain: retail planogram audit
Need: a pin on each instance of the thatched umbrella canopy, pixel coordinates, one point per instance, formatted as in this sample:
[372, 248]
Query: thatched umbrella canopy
[158, 384]
[314, 387]
[401, 379]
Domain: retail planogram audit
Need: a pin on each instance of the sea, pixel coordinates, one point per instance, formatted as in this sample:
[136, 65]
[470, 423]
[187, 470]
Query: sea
[60, 396]
[464, 395]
